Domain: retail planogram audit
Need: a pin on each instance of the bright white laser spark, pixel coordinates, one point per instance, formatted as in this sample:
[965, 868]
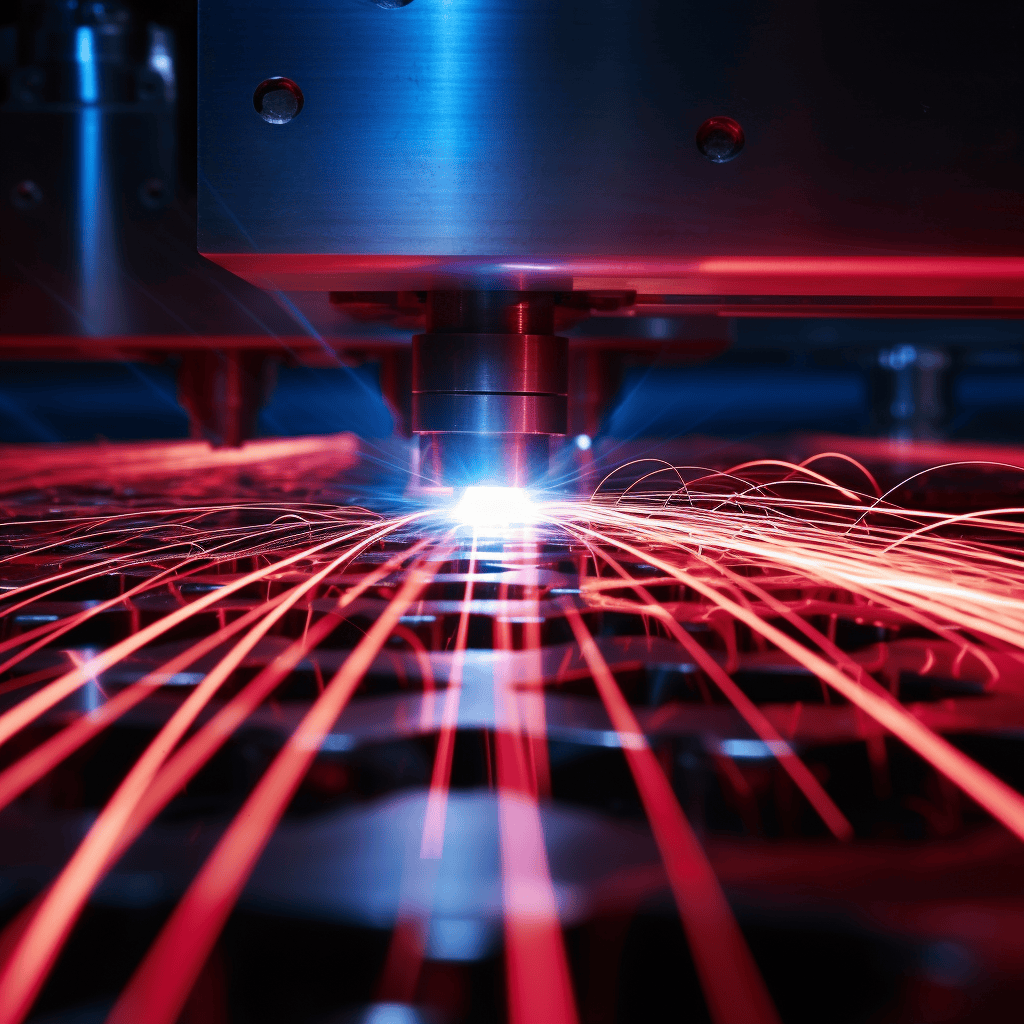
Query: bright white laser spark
[494, 508]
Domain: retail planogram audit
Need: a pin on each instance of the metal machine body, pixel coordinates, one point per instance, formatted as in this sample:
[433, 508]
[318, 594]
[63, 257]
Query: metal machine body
[523, 137]
[726, 159]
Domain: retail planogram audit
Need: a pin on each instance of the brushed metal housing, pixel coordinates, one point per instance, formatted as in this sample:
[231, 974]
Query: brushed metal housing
[552, 144]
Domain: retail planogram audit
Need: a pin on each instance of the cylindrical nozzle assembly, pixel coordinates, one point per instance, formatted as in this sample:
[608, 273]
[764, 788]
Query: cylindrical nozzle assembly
[490, 385]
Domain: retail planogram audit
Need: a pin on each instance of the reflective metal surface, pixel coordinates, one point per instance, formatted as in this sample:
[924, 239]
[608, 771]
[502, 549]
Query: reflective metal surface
[529, 137]
[94, 241]
[490, 365]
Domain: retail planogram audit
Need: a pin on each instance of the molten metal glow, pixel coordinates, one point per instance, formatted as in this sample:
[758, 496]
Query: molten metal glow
[494, 508]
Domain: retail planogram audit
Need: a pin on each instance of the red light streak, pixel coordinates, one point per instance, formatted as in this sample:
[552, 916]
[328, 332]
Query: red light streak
[1000, 800]
[536, 966]
[404, 959]
[757, 557]
[35, 953]
[71, 464]
[729, 977]
[531, 696]
[941, 277]
[161, 985]
[28, 710]
[198, 749]
[28, 769]
[766, 732]
[432, 843]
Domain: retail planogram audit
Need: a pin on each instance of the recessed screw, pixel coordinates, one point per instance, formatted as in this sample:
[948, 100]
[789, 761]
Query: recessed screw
[277, 100]
[720, 139]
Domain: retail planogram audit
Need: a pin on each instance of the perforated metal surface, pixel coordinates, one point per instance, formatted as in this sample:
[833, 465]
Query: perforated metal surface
[919, 906]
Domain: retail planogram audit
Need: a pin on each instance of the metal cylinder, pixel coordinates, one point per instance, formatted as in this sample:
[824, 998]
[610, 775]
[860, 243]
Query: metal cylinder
[490, 385]
[87, 173]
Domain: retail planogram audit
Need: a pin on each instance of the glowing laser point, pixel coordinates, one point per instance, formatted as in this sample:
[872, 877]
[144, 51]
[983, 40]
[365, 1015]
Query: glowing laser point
[494, 508]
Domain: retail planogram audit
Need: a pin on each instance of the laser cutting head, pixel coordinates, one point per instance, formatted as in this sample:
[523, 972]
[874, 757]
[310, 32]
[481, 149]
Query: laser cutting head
[490, 387]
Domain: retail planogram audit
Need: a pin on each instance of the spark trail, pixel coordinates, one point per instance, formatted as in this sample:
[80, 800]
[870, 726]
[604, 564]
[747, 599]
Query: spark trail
[763, 560]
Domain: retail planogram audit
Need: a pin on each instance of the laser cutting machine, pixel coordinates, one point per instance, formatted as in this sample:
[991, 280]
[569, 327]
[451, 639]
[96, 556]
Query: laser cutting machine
[534, 218]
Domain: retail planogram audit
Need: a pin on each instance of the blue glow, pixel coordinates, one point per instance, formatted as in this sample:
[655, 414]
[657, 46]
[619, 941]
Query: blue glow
[391, 1013]
[751, 749]
[94, 298]
[184, 679]
[459, 939]
[457, 129]
[88, 82]
[160, 62]
[92, 696]
[335, 743]
[160, 59]
[89, 201]
[608, 738]
[583, 442]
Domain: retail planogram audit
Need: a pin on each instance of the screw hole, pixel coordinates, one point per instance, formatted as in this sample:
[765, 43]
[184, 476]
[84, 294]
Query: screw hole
[277, 100]
[720, 139]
